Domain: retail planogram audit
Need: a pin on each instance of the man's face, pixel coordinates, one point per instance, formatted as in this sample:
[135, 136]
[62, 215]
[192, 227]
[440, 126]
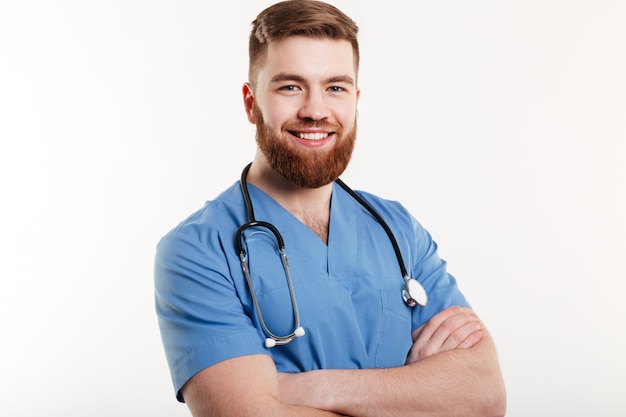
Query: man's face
[304, 107]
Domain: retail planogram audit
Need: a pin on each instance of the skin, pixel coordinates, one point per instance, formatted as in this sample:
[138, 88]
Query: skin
[452, 367]
[303, 79]
[446, 379]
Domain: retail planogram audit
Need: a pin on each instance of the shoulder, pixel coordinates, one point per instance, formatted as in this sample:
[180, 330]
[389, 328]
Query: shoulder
[405, 227]
[202, 230]
[391, 210]
[213, 215]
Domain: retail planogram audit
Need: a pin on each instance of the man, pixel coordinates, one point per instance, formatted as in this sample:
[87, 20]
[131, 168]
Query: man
[328, 332]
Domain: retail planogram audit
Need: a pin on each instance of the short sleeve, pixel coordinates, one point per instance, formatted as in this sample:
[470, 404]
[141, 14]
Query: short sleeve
[201, 318]
[428, 268]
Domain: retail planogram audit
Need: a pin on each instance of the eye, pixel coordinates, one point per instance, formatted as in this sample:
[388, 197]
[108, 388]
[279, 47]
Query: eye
[336, 89]
[289, 88]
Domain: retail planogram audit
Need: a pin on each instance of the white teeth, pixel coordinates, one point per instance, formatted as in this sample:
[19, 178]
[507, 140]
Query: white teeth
[313, 136]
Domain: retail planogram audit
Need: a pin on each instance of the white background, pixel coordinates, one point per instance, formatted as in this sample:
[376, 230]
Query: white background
[499, 124]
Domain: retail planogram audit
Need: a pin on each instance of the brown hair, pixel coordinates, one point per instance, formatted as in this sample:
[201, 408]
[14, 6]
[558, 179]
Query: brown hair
[310, 18]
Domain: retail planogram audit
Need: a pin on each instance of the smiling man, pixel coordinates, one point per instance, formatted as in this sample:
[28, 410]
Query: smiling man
[303, 102]
[307, 92]
[340, 328]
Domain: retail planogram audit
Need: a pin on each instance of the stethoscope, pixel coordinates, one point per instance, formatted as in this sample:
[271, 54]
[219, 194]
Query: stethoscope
[413, 292]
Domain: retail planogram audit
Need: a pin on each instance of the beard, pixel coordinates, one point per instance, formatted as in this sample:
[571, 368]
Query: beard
[304, 168]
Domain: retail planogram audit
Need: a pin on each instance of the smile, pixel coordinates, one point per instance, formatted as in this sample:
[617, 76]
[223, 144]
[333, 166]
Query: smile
[312, 136]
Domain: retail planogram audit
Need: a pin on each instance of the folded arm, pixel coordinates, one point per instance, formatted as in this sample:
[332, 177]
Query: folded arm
[242, 387]
[452, 370]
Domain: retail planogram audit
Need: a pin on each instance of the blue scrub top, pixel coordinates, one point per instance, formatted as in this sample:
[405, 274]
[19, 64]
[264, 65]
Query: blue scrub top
[348, 292]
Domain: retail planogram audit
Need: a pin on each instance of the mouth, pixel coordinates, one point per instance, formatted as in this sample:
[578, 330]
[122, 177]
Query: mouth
[317, 136]
[312, 140]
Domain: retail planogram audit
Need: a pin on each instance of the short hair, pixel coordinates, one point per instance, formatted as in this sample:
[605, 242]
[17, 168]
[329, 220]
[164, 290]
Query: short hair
[311, 18]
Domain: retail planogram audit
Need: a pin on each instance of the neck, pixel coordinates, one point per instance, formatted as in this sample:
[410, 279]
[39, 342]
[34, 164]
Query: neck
[310, 205]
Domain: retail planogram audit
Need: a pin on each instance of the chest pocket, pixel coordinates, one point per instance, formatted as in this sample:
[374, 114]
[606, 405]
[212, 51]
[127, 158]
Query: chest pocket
[379, 279]
[384, 320]
[395, 339]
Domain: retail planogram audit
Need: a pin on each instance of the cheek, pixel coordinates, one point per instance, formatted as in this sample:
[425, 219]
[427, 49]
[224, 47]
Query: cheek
[348, 118]
[345, 111]
[274, 115]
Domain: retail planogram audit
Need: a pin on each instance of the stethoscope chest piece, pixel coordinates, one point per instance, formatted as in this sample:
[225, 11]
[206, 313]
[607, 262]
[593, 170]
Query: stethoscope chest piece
[414, 293]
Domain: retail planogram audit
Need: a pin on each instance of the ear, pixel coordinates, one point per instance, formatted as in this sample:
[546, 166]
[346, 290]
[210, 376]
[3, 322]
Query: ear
[248, 102]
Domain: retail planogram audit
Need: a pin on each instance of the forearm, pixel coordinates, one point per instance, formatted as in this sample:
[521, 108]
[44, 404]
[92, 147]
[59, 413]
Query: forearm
[459, 382]
[269, 407]
[242, 387]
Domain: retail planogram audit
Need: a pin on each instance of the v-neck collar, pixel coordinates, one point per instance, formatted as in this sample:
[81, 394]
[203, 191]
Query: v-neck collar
[341, 250]
[342, 233]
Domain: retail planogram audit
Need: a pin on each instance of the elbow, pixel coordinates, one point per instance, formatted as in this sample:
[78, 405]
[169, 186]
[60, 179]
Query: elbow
[496, 407]
[495, 400]
[489, 395]
[500, 404]
[494, 390]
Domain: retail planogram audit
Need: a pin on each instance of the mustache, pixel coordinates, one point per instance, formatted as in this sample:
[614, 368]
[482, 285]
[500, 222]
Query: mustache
[313, 124]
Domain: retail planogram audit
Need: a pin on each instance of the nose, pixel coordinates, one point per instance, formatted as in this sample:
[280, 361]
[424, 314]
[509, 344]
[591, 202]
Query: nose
[314, 106]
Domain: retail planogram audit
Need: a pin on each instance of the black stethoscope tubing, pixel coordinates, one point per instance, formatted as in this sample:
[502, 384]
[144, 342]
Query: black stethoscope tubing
[381, 221]
[413, 294]
[368, 207]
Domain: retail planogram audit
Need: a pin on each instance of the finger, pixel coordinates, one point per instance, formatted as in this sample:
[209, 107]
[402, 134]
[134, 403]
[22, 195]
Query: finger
[431, 325]
[441, 325]
[413, 356]
[471, 340]
[455, 330]
[416, 355]
[449, 334]
[460, 335]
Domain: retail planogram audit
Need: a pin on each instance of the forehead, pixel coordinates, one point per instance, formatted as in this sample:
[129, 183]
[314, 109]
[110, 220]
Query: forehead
[310, 58]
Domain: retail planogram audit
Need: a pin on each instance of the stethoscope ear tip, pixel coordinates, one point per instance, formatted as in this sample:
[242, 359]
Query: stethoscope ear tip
[270, 342]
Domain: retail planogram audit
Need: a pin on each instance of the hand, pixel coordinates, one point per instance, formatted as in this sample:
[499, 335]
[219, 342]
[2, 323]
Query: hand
[452, 328]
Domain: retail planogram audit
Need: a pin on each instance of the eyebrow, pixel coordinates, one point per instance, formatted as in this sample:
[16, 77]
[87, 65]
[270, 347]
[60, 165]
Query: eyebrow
[297, 78]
